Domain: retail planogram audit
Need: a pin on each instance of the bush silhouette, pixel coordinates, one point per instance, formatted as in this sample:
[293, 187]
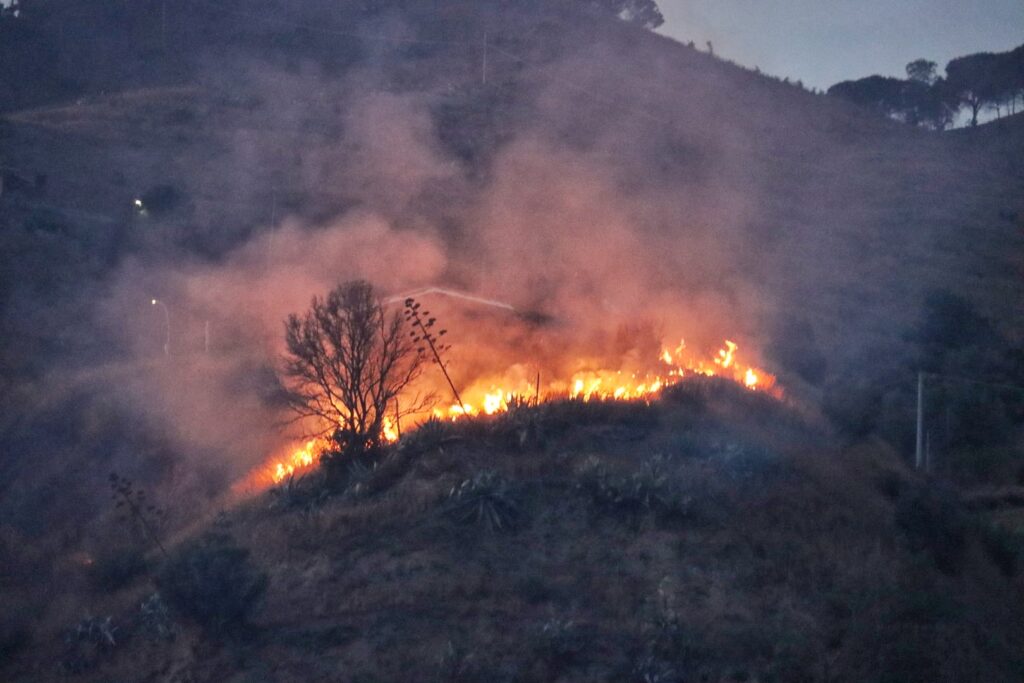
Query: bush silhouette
[212, 581]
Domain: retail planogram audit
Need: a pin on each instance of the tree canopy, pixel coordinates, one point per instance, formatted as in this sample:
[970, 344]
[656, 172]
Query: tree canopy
[974, 82]
[913, 101]
[923, 71]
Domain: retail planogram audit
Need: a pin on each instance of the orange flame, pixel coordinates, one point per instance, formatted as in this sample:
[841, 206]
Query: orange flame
[300, 459]
[493, 396]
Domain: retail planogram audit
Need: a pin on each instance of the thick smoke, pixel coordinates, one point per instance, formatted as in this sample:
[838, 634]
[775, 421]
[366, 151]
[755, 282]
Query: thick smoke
[574, 218]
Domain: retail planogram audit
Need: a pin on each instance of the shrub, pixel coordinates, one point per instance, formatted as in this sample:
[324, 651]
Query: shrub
[304, 493]
[521, 426]
[15, 626]
[561, 641]
[360, 476]
[155, 620]
[212, 581]
[651, 669]
[485, 499]
[933, 521]
[115, 568]
[651, 488]
[429, 436]
[87, 642]
[348, 361]
[1003, 547]
[142, 518]
[456, 664]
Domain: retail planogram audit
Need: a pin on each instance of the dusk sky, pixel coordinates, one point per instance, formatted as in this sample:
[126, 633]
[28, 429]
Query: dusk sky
[822, 43]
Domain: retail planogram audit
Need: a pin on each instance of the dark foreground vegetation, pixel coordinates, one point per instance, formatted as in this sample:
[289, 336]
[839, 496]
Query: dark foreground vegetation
[709, 536]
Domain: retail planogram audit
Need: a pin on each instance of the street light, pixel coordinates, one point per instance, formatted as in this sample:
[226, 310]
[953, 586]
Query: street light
[167, 325]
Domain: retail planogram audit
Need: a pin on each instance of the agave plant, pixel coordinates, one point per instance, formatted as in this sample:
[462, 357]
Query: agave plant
[652, 670]
[485, 499]
[651, 488]
[431, 434]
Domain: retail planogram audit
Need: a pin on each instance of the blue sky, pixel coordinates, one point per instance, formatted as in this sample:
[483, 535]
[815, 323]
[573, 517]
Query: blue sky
[825, 41]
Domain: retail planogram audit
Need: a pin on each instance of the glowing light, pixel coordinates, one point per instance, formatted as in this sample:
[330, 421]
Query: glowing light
[495, 394]
[299, 459]
[494, 402]
[725, 356]
[389, 428]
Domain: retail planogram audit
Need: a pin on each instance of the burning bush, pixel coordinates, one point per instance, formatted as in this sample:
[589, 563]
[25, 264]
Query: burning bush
[346, 365]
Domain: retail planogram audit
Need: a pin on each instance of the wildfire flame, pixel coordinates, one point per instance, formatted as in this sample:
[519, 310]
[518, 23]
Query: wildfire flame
[301, 458]
[493, 396]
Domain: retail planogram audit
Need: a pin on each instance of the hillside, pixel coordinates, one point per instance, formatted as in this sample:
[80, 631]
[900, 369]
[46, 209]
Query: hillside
[622, 194]
[711, 536]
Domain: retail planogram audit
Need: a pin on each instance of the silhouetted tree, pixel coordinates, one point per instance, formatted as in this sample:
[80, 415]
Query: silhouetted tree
[347, 362]
[933, 106]
[923, 71]
[880, 93]
[1011, 77]
[975, 80]
[914, 101]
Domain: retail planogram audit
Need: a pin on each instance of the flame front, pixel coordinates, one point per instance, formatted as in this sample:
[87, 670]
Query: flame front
[493, 395]
[299, 459]
[673, 365]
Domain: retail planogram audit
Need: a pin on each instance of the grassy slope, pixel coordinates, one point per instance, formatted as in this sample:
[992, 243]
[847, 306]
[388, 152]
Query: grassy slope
[710, 534]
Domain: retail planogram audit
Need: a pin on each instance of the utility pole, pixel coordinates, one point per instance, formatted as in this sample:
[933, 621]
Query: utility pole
[167, 326]
[273, 222]
[206, 337]
[928, 452]
[483, 70]
[919, 451]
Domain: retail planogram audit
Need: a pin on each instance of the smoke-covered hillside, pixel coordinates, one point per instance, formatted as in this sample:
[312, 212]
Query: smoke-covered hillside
[619, 190]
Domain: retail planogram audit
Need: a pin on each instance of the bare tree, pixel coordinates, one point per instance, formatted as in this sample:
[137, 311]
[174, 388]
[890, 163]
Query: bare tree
[346, 365]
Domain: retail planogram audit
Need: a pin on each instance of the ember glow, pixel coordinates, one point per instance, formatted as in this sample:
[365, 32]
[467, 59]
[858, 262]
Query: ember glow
[300, 458]
[488, 397]
[494, 395]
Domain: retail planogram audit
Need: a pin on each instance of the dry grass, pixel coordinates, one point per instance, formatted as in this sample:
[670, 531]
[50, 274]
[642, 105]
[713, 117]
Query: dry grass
[779, 568]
